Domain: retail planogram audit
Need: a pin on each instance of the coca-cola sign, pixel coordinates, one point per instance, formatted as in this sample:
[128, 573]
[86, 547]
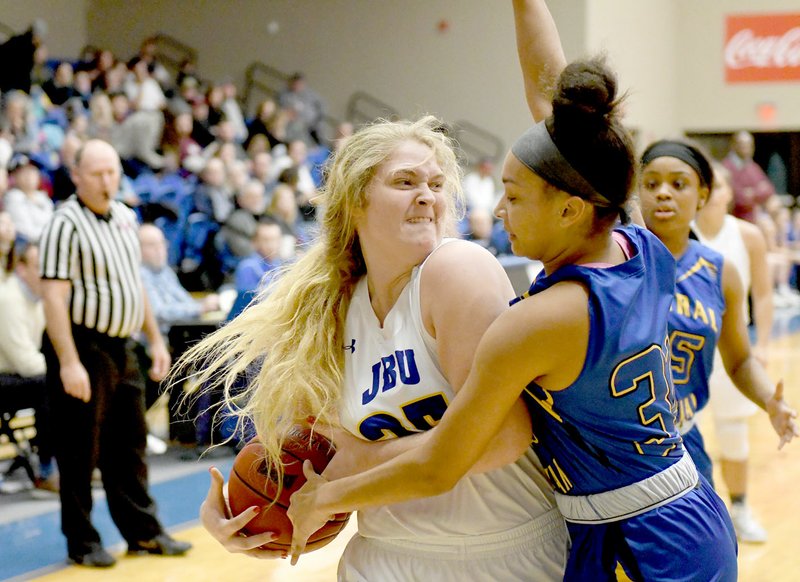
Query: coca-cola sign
[763, 47]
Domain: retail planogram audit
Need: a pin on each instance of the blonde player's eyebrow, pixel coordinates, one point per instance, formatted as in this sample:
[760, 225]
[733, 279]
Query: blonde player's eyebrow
[403, 172]
[412, 172]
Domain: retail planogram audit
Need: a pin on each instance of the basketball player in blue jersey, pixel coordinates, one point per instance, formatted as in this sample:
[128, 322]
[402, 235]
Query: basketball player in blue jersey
[587, 348]
[374, 330]
[676, 181]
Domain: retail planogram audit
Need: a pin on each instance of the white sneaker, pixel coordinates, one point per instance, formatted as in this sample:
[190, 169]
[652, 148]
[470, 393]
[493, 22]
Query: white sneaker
[780, 301]
[747, 527]
[155, 446]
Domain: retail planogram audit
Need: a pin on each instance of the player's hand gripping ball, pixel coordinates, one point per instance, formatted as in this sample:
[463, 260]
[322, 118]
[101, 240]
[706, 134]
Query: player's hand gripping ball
[251, 483]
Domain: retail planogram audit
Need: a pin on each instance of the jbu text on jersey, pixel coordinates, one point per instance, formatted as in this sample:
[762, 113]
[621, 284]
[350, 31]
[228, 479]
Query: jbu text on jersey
[399, 366]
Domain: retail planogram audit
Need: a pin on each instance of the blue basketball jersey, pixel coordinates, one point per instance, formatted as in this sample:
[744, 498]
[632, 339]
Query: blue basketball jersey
[615, 424]
[694, 324]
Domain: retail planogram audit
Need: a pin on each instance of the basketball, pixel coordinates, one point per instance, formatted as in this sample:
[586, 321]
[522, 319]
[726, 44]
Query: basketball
[251, 483]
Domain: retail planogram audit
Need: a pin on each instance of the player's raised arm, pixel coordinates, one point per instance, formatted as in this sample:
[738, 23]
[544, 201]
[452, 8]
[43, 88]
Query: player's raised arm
[540, 54]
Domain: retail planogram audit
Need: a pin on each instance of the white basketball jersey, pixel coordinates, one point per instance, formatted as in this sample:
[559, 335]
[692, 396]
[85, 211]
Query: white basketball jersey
[393, 386]
[730, 244]
[726, 401]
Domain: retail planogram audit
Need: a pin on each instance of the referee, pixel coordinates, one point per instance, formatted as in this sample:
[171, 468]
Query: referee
[94, 302]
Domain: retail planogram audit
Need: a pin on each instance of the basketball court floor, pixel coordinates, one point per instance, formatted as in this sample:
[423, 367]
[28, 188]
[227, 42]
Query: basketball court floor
[32, 548]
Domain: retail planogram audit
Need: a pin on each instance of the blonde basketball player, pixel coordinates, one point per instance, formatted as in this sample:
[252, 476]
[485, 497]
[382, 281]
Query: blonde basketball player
[375, 329]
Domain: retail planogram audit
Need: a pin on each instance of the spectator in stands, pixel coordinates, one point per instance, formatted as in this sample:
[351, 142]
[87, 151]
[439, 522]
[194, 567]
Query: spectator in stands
[29, 207]
[261, 170]
[17, 55]
[136, 135]
[22, 364]
[252, 273]
[480, 190]
[190, 154]
[201, 123]
[169, 301]
[77, 123]
[224, 135]
[82, 84]
[177, 313]
[41, 72]
[238, 173]
[320, 156]
[104, 60]
[236, 235]
[264, 123]
[500, 240]
[101, 115]
[780, 257]
[232, 111]
[283, 210]
[300, 179]
[143, 90]
[751, 187]
[187, 69]
[114, 78]
[213, 197]
[259, 144]
[307, 105]
[480, 224]
[63, 187]
[148, 52]
[188, 91]
[18, 124]
[60, 88]
[215, 97]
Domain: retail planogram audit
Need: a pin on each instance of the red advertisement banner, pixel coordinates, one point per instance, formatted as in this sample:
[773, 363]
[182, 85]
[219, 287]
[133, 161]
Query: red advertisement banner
[762, 47]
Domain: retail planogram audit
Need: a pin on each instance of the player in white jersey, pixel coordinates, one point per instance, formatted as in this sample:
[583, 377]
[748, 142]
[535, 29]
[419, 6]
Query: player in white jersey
[395, 385]
[743, 244]
[374, 330]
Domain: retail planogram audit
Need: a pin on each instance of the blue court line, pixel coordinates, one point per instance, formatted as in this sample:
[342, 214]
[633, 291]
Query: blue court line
[35, 543]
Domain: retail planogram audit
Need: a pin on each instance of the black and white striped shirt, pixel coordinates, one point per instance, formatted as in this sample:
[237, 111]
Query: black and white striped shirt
[100, 256]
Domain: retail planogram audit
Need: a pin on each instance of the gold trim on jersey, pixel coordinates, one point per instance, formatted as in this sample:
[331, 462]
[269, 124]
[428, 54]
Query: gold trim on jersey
[699, 264]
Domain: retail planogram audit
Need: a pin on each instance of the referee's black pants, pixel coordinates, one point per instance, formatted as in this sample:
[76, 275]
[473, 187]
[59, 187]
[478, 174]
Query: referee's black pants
[108, 432]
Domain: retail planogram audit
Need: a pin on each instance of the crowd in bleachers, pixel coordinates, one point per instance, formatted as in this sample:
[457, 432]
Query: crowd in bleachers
[194, 163]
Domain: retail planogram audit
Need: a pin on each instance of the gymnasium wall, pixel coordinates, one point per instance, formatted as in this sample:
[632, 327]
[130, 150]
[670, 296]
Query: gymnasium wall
[705, 101]
[66, 20]
[639, 39]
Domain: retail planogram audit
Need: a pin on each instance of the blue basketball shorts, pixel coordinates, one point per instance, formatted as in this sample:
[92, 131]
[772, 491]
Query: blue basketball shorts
[689, 539]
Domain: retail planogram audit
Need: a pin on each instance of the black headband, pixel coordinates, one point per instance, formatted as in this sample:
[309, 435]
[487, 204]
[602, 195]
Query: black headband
[535, 149]
[683, 152]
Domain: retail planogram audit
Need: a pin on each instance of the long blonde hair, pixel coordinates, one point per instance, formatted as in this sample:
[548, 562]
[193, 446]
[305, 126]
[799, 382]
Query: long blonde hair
[294, 332]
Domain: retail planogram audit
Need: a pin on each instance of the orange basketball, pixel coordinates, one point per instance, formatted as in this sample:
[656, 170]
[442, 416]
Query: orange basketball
[252, 484]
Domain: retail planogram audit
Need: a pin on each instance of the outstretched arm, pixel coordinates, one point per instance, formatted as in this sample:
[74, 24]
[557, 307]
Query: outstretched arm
[540, 54]
[743, 368]
[542, 338]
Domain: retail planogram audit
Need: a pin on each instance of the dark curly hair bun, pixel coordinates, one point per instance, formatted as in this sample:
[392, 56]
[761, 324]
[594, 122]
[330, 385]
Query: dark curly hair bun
[586, 93]
[587, 129]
